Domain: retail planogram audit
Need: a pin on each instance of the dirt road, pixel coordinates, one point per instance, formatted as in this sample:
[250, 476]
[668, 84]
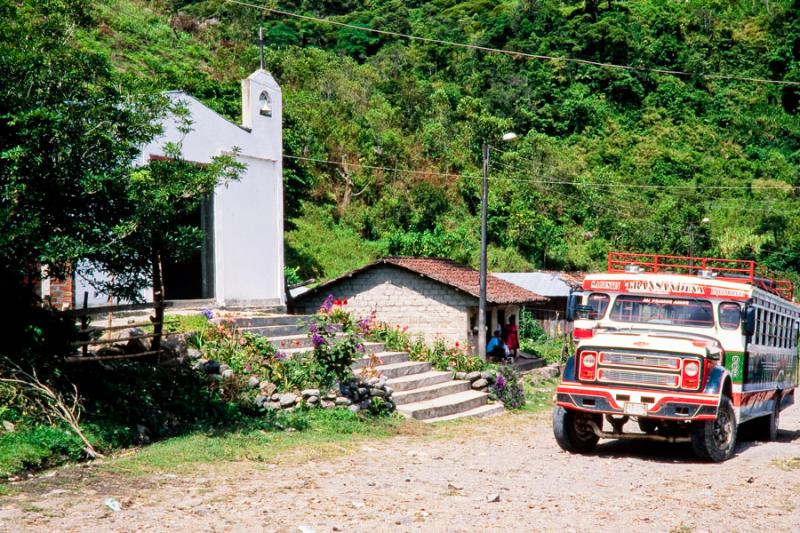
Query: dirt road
[444, 483]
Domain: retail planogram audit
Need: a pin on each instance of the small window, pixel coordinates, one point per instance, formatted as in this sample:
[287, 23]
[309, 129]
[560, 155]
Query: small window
[730, 315]
[599, 303]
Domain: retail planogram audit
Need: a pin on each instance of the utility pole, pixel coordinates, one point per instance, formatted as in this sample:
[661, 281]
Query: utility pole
[482, 298]
[508, 137]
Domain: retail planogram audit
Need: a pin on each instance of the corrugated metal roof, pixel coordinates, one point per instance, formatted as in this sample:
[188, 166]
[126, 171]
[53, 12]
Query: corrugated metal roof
[548, 284]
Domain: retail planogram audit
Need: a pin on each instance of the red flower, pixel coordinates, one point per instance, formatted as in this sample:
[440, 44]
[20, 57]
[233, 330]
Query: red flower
[457, 344]
[345, 302]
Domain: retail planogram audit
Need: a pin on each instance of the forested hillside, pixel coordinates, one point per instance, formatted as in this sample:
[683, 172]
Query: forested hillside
[606, 158]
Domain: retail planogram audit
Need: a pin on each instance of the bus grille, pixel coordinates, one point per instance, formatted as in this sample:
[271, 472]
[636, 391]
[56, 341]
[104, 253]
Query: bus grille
[632, 359]
[643, 378]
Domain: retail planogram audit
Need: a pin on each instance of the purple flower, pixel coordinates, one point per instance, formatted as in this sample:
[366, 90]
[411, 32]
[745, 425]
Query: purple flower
[327, 305]
[317, 340]
[360, 347]
[313, 328]
[500, 382]
[208, 313]
[363, 324]
[281, 356]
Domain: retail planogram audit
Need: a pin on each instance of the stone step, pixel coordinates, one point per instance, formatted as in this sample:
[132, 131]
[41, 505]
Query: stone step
[415, 381]
[406, 368]
[269, 320]
[490, 409]
[276, 331]
[444, 406]
[287, 342]
[369, 348]
[385, 358]
[430, 392]
[522, 364]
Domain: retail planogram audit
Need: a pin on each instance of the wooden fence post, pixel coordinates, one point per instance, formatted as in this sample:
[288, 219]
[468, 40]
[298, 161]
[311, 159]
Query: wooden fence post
[158, 299]
[85, 321]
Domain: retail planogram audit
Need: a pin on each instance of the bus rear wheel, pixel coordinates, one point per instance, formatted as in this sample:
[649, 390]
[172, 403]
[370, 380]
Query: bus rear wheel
[572, 430]
[771, 422]
[716, 439]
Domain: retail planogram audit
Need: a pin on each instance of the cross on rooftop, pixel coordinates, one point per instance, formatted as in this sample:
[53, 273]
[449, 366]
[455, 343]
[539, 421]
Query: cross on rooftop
[261, 42]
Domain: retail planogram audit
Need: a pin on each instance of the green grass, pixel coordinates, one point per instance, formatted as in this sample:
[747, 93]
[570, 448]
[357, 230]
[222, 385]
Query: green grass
[37, 448]
[182, 323]
[324, 432]
[549, 350]
[538, 394]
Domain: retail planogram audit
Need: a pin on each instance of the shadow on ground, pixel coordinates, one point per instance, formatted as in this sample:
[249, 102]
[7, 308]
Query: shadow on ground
[749, 436]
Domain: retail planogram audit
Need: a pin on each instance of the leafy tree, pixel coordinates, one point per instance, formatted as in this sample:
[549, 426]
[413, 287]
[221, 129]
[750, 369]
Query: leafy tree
[70, 130]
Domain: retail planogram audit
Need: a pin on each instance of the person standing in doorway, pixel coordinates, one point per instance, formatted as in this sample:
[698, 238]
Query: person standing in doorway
[512, 336]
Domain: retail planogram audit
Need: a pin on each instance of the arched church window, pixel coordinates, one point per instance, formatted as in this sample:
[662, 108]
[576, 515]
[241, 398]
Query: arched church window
[266, 104]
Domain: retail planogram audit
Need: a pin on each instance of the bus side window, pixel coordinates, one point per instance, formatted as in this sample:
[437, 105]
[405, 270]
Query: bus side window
[783, 332]
[730, 315]
[770, 328]
[759, 339]
[599, 303]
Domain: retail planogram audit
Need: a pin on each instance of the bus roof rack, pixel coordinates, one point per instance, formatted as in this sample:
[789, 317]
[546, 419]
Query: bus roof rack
[735, 270]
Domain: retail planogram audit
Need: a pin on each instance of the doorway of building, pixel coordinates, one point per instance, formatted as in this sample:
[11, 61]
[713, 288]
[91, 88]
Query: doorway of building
[192, 277]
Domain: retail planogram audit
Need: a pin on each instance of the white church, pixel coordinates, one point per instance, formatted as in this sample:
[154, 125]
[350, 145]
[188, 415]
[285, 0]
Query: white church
[241, 260]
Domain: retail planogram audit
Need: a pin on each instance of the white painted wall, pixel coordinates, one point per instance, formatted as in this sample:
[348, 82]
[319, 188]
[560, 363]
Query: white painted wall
[95, 299]
[248, 214]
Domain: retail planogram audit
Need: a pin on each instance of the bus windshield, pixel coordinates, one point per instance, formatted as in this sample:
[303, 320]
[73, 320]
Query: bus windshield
[667, 311]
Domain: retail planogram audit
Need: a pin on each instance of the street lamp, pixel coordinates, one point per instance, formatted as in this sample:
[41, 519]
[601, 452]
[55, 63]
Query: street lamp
[507, 137]
[705, 220]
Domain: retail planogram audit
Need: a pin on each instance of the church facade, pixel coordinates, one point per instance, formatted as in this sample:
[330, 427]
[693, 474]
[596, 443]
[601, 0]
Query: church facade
[241, 260]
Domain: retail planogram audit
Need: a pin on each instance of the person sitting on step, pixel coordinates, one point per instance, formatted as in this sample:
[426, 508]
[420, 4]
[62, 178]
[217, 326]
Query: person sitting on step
[496, 348]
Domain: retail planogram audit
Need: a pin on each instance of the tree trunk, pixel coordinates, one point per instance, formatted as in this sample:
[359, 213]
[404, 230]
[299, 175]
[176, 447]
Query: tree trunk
[158, 299]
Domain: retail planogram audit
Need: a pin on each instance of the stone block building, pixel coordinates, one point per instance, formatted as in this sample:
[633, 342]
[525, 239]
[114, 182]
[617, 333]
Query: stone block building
[432, 297]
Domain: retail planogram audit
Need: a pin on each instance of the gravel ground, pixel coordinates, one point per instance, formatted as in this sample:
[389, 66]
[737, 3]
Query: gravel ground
[442, 481]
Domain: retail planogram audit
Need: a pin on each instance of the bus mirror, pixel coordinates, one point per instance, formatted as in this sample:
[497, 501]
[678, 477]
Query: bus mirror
[749, 321]
[573, 300]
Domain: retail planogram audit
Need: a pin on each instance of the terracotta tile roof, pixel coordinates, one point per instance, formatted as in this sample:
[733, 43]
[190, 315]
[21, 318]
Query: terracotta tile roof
[449, 273]
[466, 279]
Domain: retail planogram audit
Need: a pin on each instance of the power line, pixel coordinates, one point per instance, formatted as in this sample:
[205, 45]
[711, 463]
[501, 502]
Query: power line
[628, 185]
[387, 169]
[513, 53]
[524, 180]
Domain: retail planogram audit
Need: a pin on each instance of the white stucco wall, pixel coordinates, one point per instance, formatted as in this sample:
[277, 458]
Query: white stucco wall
[248, 214]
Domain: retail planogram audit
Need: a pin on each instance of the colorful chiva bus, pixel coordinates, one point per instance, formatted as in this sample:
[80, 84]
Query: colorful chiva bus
[689, 348]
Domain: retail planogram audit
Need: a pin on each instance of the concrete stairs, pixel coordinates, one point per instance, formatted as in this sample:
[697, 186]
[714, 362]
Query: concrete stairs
[420, 392]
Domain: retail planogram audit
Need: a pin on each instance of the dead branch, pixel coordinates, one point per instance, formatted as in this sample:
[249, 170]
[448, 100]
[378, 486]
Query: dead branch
[55, 404]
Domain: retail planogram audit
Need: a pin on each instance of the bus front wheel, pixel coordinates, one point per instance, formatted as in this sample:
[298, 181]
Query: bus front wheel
[716, 439]
[572, 430]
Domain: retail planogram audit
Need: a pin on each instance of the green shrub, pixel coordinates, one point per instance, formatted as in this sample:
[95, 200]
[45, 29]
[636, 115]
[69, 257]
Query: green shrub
[244, 352]
[336, 343]
[530, 328]
[36, 448]
[549, 350]
[507, 387]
